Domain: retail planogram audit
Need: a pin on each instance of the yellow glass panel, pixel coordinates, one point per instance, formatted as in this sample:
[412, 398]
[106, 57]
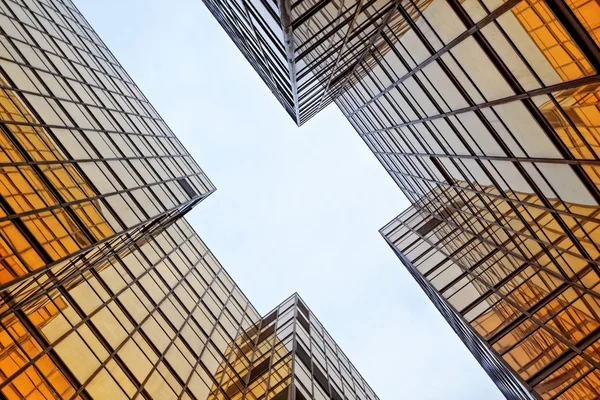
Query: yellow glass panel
[588, 13]
[41, 380]
[534, 352]
[562, 378]
[24, 191]
[552, 39]
[585, 389]
[581, 131]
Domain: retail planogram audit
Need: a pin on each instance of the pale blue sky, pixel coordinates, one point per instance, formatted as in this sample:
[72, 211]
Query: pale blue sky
[297, 209]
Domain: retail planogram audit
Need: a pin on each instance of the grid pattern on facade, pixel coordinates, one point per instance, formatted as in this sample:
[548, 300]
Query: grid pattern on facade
[486, 114]
[153, 322]
[308, 52]
[527, 316]
[288, 355]
[87, 166]
[503, 377]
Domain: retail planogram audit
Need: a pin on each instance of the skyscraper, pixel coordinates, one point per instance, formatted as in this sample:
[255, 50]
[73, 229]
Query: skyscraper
[486, 114]
[106, 292]
[288, 354]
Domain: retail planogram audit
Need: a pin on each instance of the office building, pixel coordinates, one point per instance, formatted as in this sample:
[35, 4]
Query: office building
[289, 354]
[486, 114]
[106, 292]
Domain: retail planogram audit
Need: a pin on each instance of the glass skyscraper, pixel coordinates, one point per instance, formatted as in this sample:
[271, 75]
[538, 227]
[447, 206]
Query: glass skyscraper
[288, 355]
[486, 113]
[106, 292]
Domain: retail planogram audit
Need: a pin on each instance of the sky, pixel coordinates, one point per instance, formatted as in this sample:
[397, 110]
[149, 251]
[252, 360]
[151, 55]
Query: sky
[296, 209]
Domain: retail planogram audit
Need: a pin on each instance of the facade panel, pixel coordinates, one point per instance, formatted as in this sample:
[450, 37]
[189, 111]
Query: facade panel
[524, 320]
[288, 355]
[87, 165]
[152, 322]
[485, 119]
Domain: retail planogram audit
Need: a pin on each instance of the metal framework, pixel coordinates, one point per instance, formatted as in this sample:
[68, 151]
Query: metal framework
[307, 52]
[288, 355]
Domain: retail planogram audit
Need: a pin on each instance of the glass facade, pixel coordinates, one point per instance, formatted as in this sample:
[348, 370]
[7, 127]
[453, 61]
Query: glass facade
[87, 166]
[151, 322]
[308, 52]
[486, 113]
[288, 355]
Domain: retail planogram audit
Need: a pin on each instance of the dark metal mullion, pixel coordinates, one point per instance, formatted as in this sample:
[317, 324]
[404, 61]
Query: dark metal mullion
[53, 73]
[470, 270]
[524, 259]
[84, 135]
[564, 15]
[564, 358]
[323, 29]
[487, 157]
[248, 54]
[591, 80]
[524, 312]
[123, 309]
[315, 64]
[341, 51]
[57, 38]
[575, 382]
[101, 339]
[162, 356]
[232, 354]
[520, 202]
[483, 43]
[522, 235]
[262, 49]
[66, 27]
[56, 360]
[40, 173]
[476, 27]
[434, 102]
[116, 122]
[52, 126]
[366, 25]
[112, 250]
[579, 380]
[69, 161]
[538, 79]
[514, 84]
[314, 9]
[80, 252]
[64, 99]
[277, 86]
[139, 328]
[31, 240]
[90, 199]
[290, 52]
[387, 116]
[251, 9]
[91, 314]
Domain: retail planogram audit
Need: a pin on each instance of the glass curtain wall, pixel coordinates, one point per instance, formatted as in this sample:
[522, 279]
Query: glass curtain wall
[288, 355]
